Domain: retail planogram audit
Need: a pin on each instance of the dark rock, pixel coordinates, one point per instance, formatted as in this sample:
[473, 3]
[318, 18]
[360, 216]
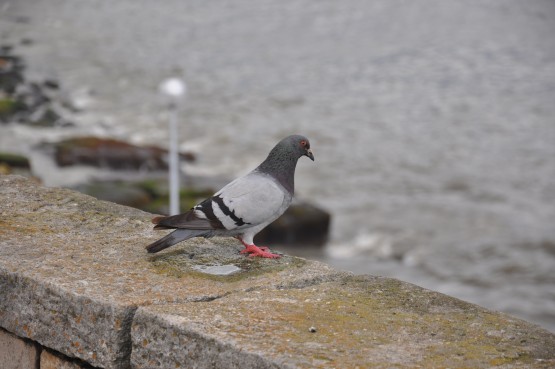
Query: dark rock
[27, 103]
[14, 164]
[45, 117]
[302, 223]
[149, 195]
[33, 95]
[52, 84]
[27, 41]
[159, 191]
[11, 71]
[10, 107]
[14, 160]
[110, 153]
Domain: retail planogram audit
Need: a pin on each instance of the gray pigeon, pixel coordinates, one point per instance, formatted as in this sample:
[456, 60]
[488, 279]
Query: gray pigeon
[243, 207]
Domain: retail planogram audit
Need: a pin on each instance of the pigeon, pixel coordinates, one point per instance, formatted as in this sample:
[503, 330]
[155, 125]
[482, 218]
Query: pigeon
[243, 207]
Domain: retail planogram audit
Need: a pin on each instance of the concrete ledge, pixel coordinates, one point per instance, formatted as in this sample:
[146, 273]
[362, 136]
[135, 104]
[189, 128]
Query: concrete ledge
[348, 323]
[75, 278]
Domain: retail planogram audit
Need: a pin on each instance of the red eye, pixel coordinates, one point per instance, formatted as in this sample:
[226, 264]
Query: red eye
[303, 143]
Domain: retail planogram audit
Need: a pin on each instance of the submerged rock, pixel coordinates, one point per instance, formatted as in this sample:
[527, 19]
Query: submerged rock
[14, 164]
[14, 160]
[11, 70]
[149, 195]
[10, 107]
[29, 103]
[111, 153]
[302, 223]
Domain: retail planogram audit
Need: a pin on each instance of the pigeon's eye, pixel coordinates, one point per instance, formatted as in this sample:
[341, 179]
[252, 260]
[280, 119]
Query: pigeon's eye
[303, 143]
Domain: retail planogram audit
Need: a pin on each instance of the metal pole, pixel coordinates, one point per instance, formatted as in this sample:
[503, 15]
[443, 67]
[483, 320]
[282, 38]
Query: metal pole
[175, 89]
[174, 162]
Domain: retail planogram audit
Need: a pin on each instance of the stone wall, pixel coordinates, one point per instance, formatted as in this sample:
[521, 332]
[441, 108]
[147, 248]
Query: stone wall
[19, 353]
[77, 289]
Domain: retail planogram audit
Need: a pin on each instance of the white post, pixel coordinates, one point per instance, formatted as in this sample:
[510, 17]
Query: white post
[174, 162]
[175, 88]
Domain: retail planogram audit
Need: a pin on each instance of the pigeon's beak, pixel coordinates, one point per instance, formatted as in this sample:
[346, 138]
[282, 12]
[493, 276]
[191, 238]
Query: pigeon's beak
[309, 154]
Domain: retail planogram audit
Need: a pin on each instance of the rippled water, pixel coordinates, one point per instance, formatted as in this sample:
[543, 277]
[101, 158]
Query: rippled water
[432, 122]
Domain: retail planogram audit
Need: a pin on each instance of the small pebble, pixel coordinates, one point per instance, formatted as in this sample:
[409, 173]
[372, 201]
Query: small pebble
[312, 330]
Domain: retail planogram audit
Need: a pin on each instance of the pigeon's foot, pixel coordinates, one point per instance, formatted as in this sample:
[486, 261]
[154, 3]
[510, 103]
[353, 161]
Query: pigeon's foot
[245, 250]
[254, 250]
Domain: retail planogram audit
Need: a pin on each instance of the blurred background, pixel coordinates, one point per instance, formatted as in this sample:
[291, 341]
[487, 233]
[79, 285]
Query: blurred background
[432, 122]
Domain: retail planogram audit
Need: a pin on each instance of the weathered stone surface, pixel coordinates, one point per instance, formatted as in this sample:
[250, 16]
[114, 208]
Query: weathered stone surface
[51, 361]
[354, 322]
[78, 264]
[16, 353]
[74, 276]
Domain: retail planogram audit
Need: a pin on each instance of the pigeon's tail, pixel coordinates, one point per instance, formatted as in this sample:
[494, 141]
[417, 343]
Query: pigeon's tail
[176, 236]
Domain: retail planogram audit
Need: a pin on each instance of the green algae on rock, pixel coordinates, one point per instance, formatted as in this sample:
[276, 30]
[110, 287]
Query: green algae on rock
[189, 260]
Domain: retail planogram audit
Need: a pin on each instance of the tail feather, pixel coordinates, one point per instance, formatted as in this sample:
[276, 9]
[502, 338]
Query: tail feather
[171, 239]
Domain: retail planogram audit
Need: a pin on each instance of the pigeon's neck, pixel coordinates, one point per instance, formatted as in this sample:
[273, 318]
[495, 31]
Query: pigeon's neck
[281, 166]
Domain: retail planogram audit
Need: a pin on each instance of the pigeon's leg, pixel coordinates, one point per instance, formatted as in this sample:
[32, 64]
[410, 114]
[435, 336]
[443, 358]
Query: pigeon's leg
[244, 251]
[254, 250]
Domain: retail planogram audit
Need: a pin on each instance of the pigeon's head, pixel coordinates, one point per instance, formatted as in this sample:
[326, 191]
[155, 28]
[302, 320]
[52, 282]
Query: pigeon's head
[282, 160]
[299, 145]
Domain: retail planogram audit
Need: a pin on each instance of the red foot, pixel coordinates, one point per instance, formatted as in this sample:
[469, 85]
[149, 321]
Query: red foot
[263, 248]
[254, 250]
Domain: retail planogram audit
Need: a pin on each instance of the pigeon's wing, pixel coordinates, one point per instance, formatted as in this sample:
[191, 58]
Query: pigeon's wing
[249, 201]
[188, 220]
[246, 202]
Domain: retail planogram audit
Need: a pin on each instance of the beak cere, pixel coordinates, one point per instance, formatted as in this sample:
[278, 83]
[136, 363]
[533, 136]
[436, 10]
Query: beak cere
[309, 154]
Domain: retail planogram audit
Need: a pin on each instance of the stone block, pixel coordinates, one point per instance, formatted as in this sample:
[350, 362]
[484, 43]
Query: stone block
[51, 361]
[16, 353]
[95, 331]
